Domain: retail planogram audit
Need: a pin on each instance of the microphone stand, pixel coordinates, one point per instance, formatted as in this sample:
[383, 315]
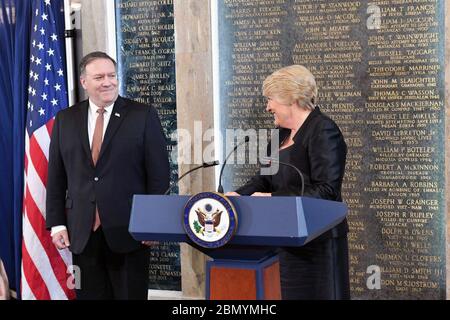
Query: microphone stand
[204, 165]
[220, 187]
[269, 160]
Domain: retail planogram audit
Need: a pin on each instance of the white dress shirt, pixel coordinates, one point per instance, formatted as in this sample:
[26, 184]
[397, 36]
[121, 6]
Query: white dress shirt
[92, 119]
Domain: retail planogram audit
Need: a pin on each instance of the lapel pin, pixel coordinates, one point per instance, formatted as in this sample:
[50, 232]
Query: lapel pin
[117, 114]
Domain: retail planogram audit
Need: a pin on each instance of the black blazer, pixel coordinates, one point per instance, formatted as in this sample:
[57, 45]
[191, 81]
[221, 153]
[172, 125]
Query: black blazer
[319, 152]
[133, 160]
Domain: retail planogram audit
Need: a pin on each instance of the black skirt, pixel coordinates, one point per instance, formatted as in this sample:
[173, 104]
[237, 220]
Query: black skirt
[316, 271]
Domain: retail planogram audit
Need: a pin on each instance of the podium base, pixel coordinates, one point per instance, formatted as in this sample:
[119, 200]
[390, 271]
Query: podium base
[243, 279]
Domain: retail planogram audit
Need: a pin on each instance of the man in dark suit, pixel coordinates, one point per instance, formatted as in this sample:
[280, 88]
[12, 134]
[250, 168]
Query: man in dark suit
[102, 152]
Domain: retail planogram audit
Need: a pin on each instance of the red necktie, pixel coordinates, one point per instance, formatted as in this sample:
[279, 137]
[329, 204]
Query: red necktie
[95, 151]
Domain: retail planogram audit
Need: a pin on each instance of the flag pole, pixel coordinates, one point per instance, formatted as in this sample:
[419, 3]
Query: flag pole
[69, 35]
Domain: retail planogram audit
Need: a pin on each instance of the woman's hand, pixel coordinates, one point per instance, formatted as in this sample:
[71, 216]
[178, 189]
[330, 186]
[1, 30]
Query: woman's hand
[232, 193]
[261, 194]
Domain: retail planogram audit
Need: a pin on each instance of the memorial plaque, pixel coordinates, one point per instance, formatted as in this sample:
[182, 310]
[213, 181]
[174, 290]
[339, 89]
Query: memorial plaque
[379, 66]
[146, 68]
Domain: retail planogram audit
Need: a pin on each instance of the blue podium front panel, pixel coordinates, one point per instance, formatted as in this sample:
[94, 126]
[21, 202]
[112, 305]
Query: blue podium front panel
[262, 221]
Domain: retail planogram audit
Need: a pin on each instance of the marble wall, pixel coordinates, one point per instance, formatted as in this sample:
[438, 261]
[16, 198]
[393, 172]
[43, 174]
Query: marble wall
[447, 139]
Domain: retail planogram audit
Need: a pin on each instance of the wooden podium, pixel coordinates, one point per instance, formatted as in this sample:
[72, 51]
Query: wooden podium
[243, 280]
[247, 267]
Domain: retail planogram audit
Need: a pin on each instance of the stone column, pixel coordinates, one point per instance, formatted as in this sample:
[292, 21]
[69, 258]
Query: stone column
[97, 29]
[94, 25]
[194, 109]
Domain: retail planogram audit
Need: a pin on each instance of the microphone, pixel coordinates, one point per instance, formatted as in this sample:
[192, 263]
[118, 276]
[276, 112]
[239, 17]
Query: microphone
[268, 160]
[204, 165]
[220, 187]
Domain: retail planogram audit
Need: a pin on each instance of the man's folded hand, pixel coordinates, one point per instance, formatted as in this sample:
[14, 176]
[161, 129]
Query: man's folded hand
[61, 239]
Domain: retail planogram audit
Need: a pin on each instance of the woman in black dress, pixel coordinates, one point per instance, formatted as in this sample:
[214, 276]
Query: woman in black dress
[313, 143]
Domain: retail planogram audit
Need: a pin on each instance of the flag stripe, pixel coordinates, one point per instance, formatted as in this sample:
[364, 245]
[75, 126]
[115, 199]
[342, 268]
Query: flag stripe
[36, 210]
[37, 222]
[36, 187]
[32, 275]
[25, 164]
[42, 262]
[42, 138]
[44, 268]
[66, 256]
[38, 160]
[27, 294]
[49, 126]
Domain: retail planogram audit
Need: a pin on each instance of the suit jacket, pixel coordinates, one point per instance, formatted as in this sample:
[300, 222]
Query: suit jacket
[319, 152]
[133, 160]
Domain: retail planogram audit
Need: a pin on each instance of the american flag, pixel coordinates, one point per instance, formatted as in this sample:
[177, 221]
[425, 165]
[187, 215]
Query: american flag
[44, 268]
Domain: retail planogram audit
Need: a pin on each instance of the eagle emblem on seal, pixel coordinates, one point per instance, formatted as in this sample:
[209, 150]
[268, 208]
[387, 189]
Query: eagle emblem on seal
[209, 221]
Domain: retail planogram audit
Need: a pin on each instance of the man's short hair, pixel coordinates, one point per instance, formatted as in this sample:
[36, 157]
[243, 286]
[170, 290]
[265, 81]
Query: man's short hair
[91, 57]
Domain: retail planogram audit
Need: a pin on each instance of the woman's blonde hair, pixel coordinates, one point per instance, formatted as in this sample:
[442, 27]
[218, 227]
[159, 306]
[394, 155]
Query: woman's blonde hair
[292, 84]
